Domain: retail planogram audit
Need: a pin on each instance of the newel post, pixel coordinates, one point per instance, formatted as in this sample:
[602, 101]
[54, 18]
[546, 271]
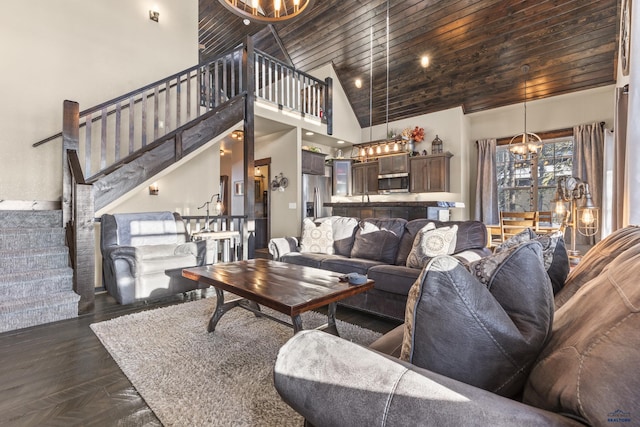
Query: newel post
[328, 105]
[70, 138]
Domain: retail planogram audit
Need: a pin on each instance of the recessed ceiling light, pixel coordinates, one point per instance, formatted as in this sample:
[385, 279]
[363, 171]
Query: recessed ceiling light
[358, 83]
[341, 142]
[424, 61]
[246, 21]
[309, 133]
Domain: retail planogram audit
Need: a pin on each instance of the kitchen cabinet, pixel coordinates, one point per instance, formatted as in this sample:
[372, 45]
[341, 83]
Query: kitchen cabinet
[394, 164]
[312, 162]
[342, 177]
[406, 212]
[365, 178]
[429, 173]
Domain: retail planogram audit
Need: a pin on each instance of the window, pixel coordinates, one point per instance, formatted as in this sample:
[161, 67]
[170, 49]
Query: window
[529, 185]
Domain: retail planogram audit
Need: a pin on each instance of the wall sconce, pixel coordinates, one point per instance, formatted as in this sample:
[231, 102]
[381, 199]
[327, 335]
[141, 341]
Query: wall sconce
[218, 210]
[154, 15]
[154, 189]
[221, 152]
[584, 219]
[237, 134]
[280, 183]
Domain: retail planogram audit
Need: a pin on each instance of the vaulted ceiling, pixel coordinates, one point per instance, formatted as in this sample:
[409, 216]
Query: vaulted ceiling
[476, 49]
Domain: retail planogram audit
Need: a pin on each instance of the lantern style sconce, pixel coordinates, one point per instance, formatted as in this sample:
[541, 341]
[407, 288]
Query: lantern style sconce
[154, 14]
[584, 219]
[154, 189]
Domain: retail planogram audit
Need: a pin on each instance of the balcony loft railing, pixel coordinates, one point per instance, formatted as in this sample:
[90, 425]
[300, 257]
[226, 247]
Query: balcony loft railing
[111, 133]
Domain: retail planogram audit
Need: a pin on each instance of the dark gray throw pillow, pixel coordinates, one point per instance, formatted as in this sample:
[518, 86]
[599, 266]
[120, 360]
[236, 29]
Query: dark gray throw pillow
[554, 251]
[378, 239]
[485, 334]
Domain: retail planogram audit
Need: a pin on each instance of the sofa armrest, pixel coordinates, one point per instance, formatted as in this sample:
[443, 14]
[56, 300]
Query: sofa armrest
[280, 246]
[334, 382]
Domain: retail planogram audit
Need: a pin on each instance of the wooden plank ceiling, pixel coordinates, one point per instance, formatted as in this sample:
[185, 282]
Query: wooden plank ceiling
[476, 49]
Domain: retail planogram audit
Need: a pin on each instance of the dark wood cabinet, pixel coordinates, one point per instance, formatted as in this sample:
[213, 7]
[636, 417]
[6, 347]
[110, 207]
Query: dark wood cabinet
[312, 162]
[429, 173]
[396, 163]
[365, 178]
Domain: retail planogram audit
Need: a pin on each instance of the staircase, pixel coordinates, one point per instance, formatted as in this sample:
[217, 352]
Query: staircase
[35, 278]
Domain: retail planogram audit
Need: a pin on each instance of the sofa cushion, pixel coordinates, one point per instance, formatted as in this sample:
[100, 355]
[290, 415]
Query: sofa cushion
[394, 279]
[471, 235]
[556, 258]
[307, 259]
[348, 265]
[430, 242]
[487, 335]
[317, 237]
[597, 259]
[378, 239]
[590, 366]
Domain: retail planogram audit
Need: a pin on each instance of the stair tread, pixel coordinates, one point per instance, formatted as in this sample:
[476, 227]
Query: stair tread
[45, 250]
[38, 301]
[35, 275]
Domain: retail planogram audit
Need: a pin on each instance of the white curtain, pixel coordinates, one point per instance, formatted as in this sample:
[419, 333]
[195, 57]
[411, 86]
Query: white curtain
[631, 207]
[487, 183]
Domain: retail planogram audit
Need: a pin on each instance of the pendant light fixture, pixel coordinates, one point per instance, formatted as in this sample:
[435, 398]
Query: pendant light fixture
[526, 144]
[268, 11]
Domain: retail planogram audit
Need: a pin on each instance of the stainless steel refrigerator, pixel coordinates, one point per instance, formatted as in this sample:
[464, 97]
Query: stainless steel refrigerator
[316, 190]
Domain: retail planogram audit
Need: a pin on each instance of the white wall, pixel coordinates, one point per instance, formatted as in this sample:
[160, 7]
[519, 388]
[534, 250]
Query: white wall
[558, 112]
[345, 122]
[284, 150]
[85, 51]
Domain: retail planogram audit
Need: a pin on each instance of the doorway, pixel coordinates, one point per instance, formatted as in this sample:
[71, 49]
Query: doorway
[262, 205]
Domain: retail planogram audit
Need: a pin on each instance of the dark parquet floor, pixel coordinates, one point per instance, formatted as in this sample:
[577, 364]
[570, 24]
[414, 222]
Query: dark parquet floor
[59, 374]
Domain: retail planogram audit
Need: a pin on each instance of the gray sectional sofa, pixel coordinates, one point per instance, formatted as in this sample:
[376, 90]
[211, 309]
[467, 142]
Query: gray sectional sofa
[381, 255]
[585, 371]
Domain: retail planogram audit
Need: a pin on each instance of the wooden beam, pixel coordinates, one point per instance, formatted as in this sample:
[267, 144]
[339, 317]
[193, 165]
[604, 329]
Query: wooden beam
[248, 61]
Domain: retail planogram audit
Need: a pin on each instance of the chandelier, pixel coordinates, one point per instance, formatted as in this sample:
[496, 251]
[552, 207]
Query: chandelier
[268, 11]
[526, 144]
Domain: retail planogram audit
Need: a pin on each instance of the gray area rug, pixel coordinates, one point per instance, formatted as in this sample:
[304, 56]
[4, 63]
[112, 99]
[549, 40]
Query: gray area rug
[192, 378]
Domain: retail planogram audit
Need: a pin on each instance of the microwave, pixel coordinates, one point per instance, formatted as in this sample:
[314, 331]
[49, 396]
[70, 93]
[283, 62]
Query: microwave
[393, 183]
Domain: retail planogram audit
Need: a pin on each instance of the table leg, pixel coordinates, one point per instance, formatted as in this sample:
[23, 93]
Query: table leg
[331, 319]
[221, 309]
[296, 321]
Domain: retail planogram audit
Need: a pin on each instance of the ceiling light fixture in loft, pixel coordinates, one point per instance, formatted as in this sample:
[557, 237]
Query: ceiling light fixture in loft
[268, 11]
[525, 144]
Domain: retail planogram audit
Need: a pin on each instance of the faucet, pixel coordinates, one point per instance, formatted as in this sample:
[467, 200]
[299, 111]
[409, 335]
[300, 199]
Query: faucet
[365, 194]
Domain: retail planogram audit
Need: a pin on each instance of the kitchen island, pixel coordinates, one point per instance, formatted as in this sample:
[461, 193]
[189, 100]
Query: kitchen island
[407, 210]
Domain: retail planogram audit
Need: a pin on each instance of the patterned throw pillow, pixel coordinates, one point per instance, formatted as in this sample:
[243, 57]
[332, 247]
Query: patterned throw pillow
[484, 334]
[317, 238]
[431, 241]
[554, 251]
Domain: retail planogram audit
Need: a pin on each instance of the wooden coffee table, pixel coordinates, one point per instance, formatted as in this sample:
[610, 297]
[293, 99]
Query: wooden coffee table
[287, 288]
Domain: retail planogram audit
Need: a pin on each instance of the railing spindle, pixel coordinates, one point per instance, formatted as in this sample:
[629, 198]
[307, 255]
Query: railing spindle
[116, 148]
[132, 124]
[167, 108]
[103, 139]
[87, 146]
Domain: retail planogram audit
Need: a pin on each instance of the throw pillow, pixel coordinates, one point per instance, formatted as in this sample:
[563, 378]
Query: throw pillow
[316, 238]
[484, 334]
[430, 242]
[378, 240]
[556, 258]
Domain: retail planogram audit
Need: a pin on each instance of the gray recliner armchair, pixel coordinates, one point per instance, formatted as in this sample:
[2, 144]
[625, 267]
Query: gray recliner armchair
[139, 250]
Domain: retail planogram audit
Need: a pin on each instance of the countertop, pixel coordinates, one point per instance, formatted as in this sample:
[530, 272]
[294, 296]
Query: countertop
[389, 204]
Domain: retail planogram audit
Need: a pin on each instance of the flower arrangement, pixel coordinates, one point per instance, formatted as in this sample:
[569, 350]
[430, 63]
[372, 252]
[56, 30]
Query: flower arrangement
[417, 134]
